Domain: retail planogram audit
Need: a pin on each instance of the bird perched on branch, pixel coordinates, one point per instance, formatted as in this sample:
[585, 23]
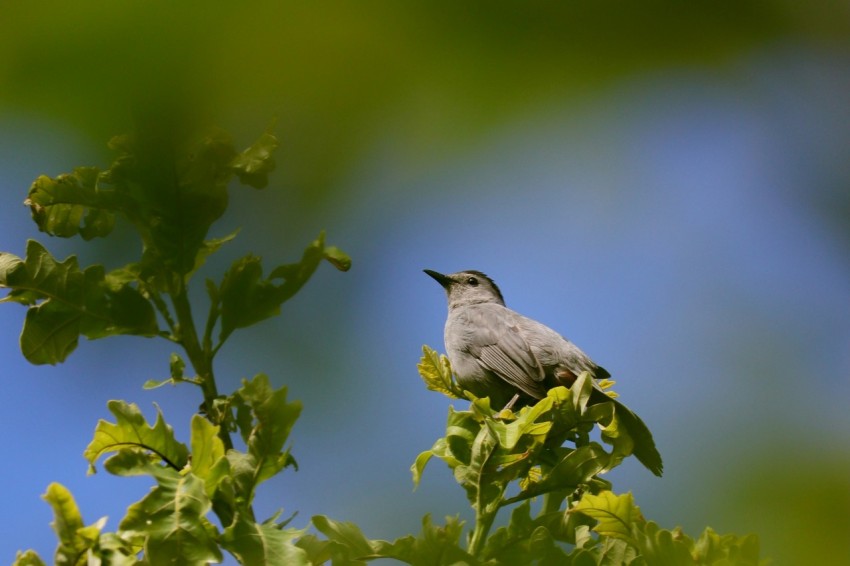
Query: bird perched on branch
[512, 359]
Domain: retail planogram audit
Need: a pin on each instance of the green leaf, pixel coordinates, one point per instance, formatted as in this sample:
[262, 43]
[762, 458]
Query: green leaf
[625, 431]
[352, 545]
[241, 471]
[170, 521]
[51, 332]
[171, 186]
[264, 419]
[526, 427]
[576, 410]
[28, 558]
[73, 204]
[154, 383]
[128, 312]
[266, 543]
[65, 302]
[112, 550]
[462, 428]
[254, 164]
[69, 527]
[191, 199]
[207, 450]
[13, 274]
[510, 544]
[434, 545]
[435, 370]
[524, 541]
[131, 430]
[133, 461]
[484, 488]
[660, 546]
[176, 367]
[615, 551]
[713, 548]
[581, 390]
[209, 247]
[616, 515]
[274, 418]
[576, 467]
[338, 258]
[176, 187]
[418, 465]
[319, 551]
[247, 298]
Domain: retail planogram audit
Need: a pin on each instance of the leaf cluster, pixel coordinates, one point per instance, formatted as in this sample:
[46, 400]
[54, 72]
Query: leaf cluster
[171, 189]
[171, 523]
[580, 521]
[488, 450]
[622, 536]
[544, 451]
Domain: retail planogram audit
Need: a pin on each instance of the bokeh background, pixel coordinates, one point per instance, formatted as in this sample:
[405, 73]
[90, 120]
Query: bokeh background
[667, 184]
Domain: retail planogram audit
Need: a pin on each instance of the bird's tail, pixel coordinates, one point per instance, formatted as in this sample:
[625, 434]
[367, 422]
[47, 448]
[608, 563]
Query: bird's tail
[644, 445]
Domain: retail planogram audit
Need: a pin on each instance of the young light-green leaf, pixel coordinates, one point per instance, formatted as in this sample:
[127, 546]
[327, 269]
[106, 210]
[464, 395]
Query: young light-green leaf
[662, 546]
[436, 371]
[207, 450]
[525, 541]
[131, 430]
[435, 544]
[527, 426]
[480, 476]
[616, 515]
[274, 419]
[68, 524]
[170, 521]
[347, 535]
[576, 467]
[418, 466]
[338, 258]
[112, 550]
[714, 548]
[28, 558]
[263, 543]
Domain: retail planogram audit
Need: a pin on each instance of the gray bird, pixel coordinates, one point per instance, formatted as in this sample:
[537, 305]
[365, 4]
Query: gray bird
[500, 354]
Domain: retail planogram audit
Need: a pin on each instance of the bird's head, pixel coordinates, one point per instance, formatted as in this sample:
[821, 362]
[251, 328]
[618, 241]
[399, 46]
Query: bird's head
[468, 287]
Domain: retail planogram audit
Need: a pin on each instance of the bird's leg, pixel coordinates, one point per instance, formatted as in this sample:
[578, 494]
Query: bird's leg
[510, 404]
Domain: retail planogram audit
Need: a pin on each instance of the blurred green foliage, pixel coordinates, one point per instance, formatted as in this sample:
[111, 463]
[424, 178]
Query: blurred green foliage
[337, 74]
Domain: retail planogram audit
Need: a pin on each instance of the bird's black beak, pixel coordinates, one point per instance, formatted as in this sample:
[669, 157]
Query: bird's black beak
[439, 277]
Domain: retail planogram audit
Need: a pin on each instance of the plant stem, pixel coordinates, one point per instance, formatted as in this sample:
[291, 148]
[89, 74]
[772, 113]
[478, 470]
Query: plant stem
[201, 362]
[484, 517]
[483, 522]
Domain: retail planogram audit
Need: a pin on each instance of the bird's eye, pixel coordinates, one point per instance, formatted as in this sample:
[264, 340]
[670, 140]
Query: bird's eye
[472, 281]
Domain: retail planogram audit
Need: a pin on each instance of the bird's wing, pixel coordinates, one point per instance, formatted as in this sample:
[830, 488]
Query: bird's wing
[499, 347]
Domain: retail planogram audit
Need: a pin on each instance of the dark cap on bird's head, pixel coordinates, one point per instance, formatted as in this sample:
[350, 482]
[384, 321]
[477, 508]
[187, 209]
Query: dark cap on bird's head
[470, 286]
